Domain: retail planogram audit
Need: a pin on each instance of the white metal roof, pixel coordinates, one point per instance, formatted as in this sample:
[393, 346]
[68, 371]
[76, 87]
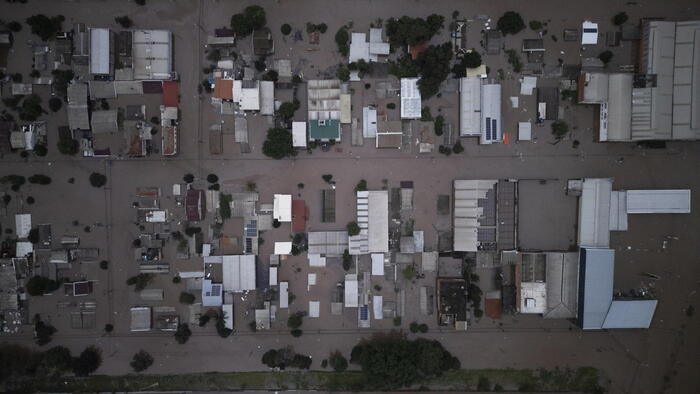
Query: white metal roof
[23, 224]
[596, 286]
[314, 309]
[589, 33]
[410, 99]
[658, 201]
[299, 134]
[686, 83]
[267, 98]
[141, 318]
[594, 213]
[273, 276]
[378, 264]
[369, 122]
[151, 294]
[247, 97]
[283, 248]
[527, 85]
[359, 47]
[533, 297]
[469, 106]
[227, 309]
[345, 108]
[351, 297]
[152, 54]
[630, 314]
[282, 207]
[315, 260]
[238, 272]
[491, 127]
[618, 211]
[156, 216]
[429, 261]
[23, 248]
[100, 51]
[524, 131]
[378, 229]
[284, 294]
[377, 307]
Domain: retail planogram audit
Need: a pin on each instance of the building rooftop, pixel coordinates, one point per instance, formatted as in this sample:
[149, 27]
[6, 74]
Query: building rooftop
[410, 99]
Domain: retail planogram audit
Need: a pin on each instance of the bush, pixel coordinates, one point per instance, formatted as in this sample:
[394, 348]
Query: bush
[124, 21]
[212, 178]
[225, 205]
[67, 145]
[40, 150]
[140, 2]
[31, 108]
[30, 200]
[286, 29]
[296, 333]
[458, 148]
[535, 25]
[55, 104]
[341, 39]
[620, 18]
[183, 333]
[337, 361]
[104, 264]
[188, 178]
[484, 384]
[57, 360]
[14, 26]
[97, 179]
[409, 272]
[271, 75]
[397, 321]
[361, 186]
[423, 328]
[109, 327]
[510, 23]
[605, 57]
[439, 125]
[295, 320]
[141, 361]
[559, 129]
[391, 106]
[347, 260]
[187, 298]
[413, 327]
[42, 331]
[285, 357]
[39, 179]
[514, 60]
[327, 177]
[343, 73]
[353, 228]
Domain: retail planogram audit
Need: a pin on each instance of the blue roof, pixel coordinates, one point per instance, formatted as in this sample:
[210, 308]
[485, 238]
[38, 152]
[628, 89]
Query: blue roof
[596, 272]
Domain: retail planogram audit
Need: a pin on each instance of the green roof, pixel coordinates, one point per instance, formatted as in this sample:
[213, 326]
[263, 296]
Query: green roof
[329, 131]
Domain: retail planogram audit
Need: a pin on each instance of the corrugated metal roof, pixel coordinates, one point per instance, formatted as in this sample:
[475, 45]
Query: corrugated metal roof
[491, 127]
[238, 273]
[596, 272]
[410, 99]
[282, 207]
[267, 98]
[378, 228]
[630, 314]
[100, 51]
[351, 296]
[594, 213]
[658, 201]
[618, 113]
[470, 106]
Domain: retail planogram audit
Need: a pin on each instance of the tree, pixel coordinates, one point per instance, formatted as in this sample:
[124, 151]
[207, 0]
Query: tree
[56, 360]
[97, 179]
[252, 18]
[140, 281]
[14, 26]
[221, 329]
[42, 331]
[287, 109]
[285, 357]
[40, 150]
[225, 205]
[286, 29]
[484, 384]
[605, 57]
[620, 18]
[45, 27]
[471, 59]
[434, 64]
[411, 31]
[31, 108]
[353, 228]
[347, 260]
[104, 264]
[40, 285]
[327, 177]
[187, 298]
[183, 333]
[390, 361]
[140, 2]
[391, 106]
[337, 361]
[67, 145]
[88, 362]
[33, 236]
[188, 178]
[343, 73]
[271, 75]
[341, 39]
[535, 25]
[510, 23]
[124, 21]
[278, 144]
[141, 361]
[559, 129]
[212, 178]
[458, 148]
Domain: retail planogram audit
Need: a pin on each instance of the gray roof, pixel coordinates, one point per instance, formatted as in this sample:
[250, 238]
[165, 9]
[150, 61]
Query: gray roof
[562, 285]
[327, 243]
[78, 106]
[506, 213]
[8, 284]
[102, 89]
[596, 269]
[104, 121]
[549, 96]
[630, 314]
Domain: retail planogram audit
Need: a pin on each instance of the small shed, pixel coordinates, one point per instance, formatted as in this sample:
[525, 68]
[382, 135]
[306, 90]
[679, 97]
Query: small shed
[141, 318]
[524, 131]
[299, 134]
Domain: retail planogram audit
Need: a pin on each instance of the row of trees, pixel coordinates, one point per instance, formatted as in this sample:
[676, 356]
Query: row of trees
[18, 363]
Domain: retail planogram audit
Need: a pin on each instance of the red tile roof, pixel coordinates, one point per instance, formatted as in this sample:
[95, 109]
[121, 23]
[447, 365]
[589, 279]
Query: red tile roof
[170, 94]
[300, 214]
[194, 205]
[223, 89]
[493, 308]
